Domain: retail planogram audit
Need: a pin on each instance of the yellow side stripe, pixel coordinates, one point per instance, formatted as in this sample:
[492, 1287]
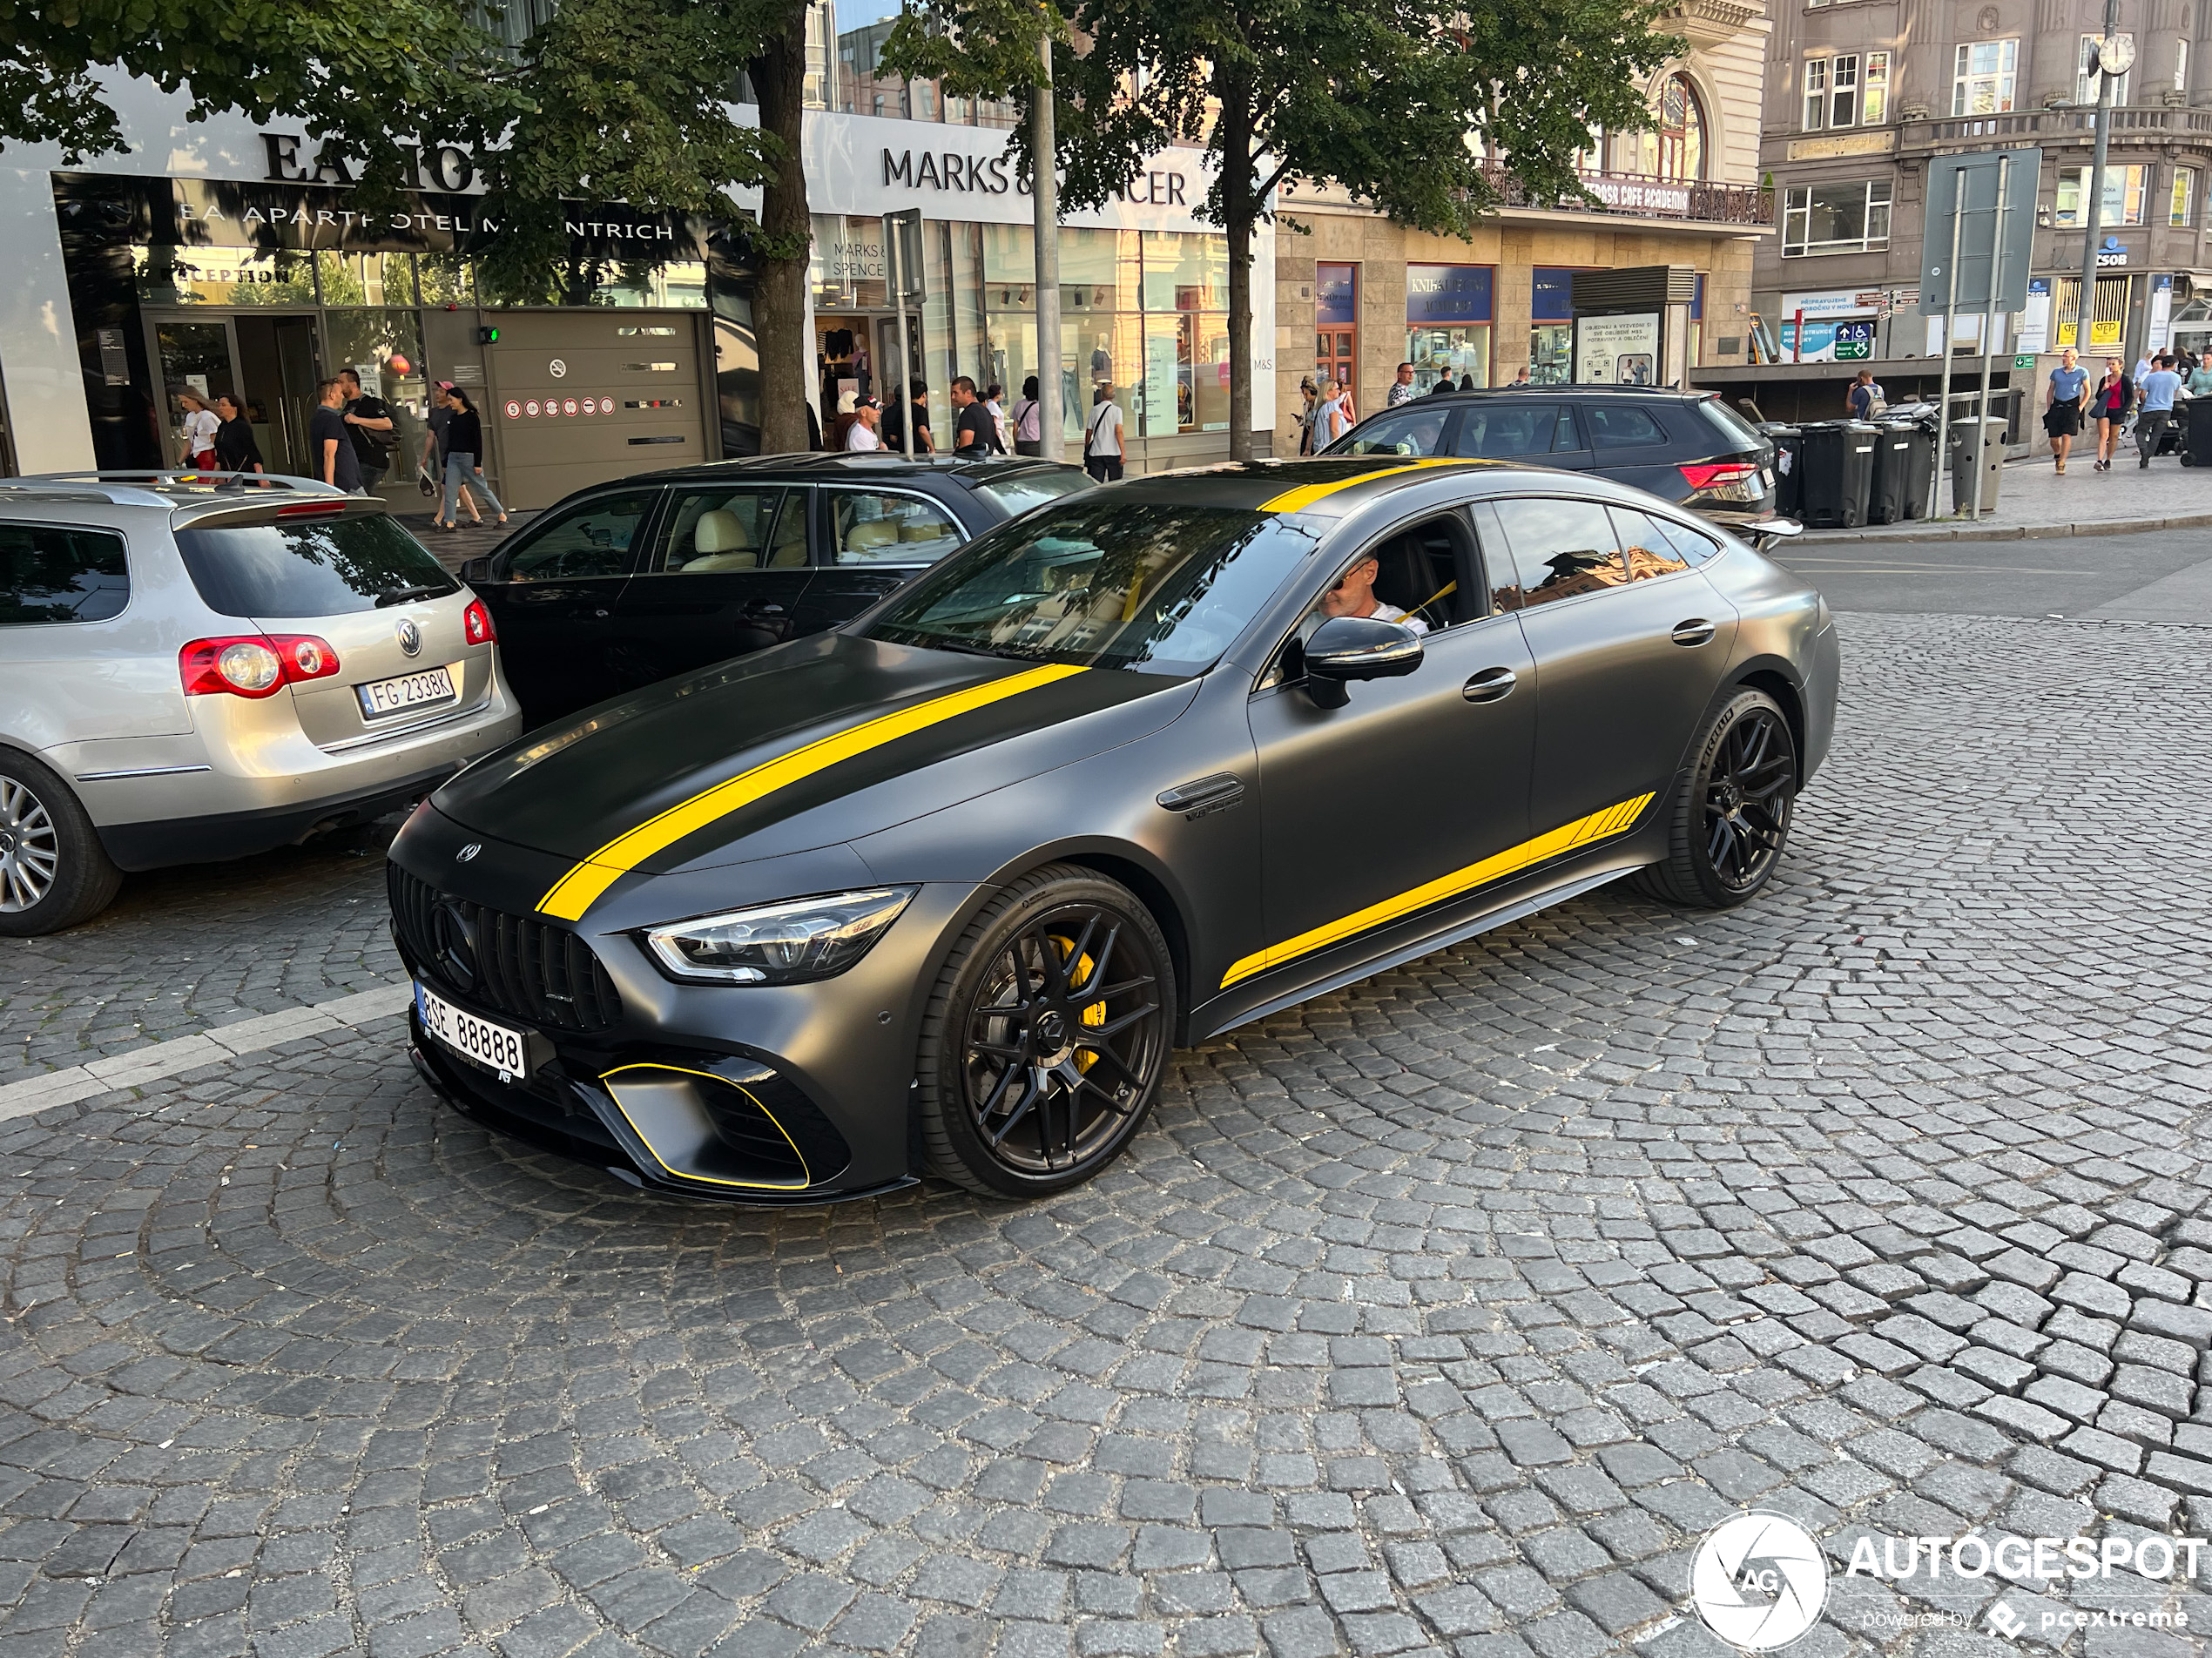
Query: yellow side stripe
[1297, 500]
[1597, 827]
[577, 891]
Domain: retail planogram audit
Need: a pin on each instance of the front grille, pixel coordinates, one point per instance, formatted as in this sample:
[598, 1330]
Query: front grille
[508, 962]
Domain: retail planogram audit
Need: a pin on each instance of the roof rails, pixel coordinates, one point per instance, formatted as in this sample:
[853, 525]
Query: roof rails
[159, 488]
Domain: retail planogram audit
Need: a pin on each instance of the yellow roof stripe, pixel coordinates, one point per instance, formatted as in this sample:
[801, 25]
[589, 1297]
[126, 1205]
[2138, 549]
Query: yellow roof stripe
[1597, 827]
[1297, 500]
[577, 891]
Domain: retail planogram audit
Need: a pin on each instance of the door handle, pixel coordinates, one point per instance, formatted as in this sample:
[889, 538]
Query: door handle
[1696, 631]
[1490, 685]
[772, 610]
[598, 613]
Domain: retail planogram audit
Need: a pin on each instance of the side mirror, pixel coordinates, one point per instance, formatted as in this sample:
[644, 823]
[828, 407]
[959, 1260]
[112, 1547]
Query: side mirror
[477, 569]
[1345, 648]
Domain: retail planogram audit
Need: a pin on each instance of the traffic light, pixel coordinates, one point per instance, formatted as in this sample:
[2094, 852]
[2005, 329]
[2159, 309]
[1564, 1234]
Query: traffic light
[486, 336]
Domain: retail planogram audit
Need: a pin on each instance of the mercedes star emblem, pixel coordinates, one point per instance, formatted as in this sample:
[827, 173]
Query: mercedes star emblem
[410, 636]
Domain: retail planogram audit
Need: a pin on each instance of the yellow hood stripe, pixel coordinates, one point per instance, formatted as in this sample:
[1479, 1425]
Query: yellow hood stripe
[577, 891]
[1598, 826]
[1297, 500]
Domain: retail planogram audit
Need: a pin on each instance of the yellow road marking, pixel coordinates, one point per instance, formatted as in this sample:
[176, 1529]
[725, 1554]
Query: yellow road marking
[577, 891]
[1297, 500]
[1597, 827]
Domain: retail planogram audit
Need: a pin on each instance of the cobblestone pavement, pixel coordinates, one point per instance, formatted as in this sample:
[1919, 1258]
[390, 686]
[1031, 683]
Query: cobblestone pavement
[1442, 1314]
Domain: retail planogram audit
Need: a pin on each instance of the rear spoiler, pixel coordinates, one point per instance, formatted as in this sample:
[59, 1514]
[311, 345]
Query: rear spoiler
[1764, 533]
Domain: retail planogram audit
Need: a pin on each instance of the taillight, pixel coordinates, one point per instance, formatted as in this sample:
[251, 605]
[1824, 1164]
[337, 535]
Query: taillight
[1727, 480]
[253, 664]
[311, 510]
[476, 623]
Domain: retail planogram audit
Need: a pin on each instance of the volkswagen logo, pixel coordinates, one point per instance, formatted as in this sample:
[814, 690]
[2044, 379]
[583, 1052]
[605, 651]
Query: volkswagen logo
[467, 852]
[410, 636]
[453, 936]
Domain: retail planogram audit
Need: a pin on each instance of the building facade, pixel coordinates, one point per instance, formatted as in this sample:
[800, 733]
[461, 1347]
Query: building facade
[1357, 296]
[1860, 94]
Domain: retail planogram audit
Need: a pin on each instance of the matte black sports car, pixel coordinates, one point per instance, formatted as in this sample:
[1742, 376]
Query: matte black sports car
[631, 582]
[942, 888]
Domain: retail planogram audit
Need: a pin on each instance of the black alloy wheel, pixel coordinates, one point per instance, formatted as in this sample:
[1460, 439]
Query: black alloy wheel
[1047, 1037]
[1732, 821]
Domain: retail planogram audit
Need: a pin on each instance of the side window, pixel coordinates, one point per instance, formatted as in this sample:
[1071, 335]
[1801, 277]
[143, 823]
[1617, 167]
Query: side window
[1560, 548]
[50, 574]
[1505, 433]
[709, 532]
[1617, 426]
[1418, 571]
[593, 539]
[1690, 544]
[1648, 549]
[874, 528]
[1415, 432]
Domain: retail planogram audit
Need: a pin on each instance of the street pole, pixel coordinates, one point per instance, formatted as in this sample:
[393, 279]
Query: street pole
[2085, 315]
[903, 391]
[1046, 196]
[1943, 349]
[1988, 333]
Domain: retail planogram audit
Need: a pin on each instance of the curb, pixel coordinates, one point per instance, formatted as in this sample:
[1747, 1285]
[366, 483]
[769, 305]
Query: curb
[1997, 532]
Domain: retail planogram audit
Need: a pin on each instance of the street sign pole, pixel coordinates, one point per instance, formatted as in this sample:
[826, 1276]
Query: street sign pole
[1045, 201]
[2085, 315]
[1950, 317]
[1988, 330]
[901, 390]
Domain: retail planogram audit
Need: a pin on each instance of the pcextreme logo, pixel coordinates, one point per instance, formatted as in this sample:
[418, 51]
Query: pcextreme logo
[1759, 1581]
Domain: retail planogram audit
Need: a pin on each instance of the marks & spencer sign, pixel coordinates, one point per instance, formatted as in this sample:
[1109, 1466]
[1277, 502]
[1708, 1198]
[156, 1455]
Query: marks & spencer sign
[950, 172]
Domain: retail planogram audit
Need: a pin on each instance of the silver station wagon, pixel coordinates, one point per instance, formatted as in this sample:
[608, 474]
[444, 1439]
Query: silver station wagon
[195, 667]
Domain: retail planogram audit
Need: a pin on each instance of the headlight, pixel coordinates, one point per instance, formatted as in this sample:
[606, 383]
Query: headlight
[790, 943]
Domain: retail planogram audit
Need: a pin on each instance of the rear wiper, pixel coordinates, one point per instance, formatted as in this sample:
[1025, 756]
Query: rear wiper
[401, 595]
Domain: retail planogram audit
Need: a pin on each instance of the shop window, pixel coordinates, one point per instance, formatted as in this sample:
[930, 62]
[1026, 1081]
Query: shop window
[2181, 209]
[2087, 87]
[1983, 75]
[364, 278]
[237, 277]
[1848, 217]
[2106, 327]
[2125, 189]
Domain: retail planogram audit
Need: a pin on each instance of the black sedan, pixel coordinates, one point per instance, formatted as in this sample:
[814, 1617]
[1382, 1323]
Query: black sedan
[942, 888]
[1687, 447]
[627, 582]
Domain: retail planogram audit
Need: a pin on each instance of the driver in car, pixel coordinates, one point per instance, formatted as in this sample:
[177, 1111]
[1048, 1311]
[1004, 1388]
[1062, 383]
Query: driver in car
[1355, 595]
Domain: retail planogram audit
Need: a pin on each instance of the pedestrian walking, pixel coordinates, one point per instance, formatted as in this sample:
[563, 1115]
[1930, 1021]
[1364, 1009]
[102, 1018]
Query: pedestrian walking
[430, 465]
[1029, 421]
[375, 434]
[1310, 405]
[464, 443]
[2062, 400]
[1866, 398]
[1103, 454]
[861, 436]
[1329, 421]
[2155, 412]
[330, 440]
[199, 431]
[2109, 406]
[1401, 389]
[235, 449]
[994, 402]
[1346, 406]
[2199, 378]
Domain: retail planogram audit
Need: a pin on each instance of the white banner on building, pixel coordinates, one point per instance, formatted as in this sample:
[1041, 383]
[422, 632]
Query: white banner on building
[2033, 333]
[2161, 314]
[1617, 351]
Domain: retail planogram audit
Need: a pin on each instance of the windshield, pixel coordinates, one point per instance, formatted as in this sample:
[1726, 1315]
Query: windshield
[1016, 496]
[1112, 582]
[310, 566]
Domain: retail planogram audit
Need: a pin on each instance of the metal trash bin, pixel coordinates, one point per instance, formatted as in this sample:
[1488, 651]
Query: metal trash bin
[1788, 440]
[1982, 443]
[2196, 432]
[1904, 458]
[1837, 458]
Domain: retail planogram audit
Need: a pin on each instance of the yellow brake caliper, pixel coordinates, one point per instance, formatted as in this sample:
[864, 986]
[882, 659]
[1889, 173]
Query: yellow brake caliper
[1094, 1015]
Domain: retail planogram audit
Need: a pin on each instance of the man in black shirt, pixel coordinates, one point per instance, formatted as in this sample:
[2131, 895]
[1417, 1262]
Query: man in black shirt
[974, 433]
[369, 420]
[895, 419]
[330, 440]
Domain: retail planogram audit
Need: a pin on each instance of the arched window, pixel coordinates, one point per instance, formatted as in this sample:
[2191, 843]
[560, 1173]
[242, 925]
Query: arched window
[1682, 130]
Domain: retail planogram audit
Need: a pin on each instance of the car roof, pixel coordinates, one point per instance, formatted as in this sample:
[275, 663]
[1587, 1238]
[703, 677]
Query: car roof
[184, 494]
[1327, 485]
[873, 466]
[1664, 394]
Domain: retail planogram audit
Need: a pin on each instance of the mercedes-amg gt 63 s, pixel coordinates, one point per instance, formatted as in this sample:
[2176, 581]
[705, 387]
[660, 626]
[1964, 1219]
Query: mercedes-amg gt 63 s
[940, 890]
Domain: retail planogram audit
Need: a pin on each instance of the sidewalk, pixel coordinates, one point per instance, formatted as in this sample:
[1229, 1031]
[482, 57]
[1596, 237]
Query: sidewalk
[468, 541]
[2033, 500]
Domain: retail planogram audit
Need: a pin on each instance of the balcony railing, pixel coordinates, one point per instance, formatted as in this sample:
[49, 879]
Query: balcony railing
[2067, 125]
[1639, 196]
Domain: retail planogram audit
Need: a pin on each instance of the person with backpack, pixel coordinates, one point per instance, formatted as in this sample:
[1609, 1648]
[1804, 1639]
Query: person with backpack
[1866, 398]
[375, 434]
[1102, 452]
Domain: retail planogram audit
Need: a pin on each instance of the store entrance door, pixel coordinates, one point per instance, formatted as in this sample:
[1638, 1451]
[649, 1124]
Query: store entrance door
[194, 356]
[278, 372]
[1333, 356]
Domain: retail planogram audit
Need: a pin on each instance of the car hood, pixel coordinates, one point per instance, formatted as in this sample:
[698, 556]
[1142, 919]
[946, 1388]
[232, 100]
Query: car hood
[821, 741]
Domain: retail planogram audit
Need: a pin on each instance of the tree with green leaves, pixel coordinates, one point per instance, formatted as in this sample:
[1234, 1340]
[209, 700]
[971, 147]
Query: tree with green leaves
[1395, 101]
[627, 100]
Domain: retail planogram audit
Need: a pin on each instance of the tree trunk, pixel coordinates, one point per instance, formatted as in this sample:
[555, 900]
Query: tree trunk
[779, 302]
[1237, 211]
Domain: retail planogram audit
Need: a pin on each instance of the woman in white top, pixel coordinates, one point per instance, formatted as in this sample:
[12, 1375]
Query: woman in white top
[200, 423]
[1028, 425]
